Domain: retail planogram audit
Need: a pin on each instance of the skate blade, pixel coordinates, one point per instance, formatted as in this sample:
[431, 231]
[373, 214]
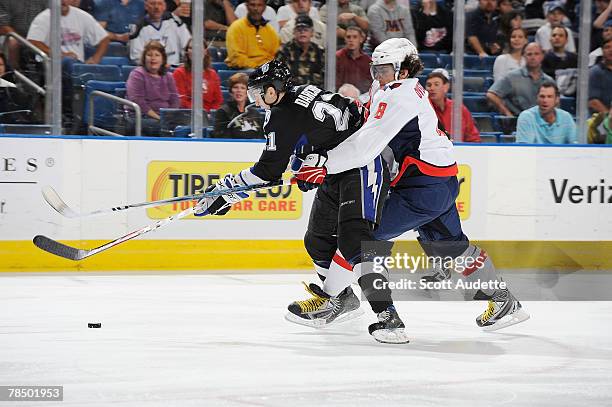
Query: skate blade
[508, 320]
[321, 323]
[397, 335]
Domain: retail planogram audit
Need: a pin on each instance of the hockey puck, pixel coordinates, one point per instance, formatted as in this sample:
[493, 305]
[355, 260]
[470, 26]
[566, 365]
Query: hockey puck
[94, 325]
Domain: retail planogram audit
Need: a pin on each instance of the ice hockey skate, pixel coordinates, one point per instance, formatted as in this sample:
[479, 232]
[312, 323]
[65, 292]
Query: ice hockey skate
[389, 328]
[322, 309]
[502, 311]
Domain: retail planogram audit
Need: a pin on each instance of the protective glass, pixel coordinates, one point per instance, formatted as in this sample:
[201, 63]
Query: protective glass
[378, 71]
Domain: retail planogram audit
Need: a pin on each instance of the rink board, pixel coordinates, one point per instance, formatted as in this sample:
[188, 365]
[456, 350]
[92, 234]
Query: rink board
[532, 206]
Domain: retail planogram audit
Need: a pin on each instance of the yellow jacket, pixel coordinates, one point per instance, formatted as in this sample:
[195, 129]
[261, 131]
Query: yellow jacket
[249, 47]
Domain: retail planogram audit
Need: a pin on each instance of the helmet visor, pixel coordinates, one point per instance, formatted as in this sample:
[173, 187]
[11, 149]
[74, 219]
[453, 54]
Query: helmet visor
[382, 71]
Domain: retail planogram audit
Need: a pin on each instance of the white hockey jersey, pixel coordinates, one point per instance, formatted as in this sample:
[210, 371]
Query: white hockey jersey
[172, 33]
[401, 117]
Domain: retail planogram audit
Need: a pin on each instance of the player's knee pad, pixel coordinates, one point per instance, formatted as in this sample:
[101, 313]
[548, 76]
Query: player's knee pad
[351, 234]
[320, 248]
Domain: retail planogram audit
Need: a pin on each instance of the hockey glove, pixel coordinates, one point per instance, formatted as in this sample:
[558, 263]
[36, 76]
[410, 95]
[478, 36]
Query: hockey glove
[312, 172]
[221, 204]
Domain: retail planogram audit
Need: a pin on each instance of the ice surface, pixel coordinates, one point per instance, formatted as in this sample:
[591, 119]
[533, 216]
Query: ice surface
[220, 340]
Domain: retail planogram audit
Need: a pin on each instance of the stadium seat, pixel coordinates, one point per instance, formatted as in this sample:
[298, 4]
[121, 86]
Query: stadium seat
[476, 72]
[115, 61]
[126, 70]
[568, 104]
[471, 62]
[507, 138]
[505, 124]
[211, 117]
[106, 112]
[485, 122]
[487, 63]
[217, 54]
[226, 95]
[117, 49]
[219, 65]
[490, 137]
[430, 60]
[446, 61]
[474, 84]
[476, 104]
[82, 73]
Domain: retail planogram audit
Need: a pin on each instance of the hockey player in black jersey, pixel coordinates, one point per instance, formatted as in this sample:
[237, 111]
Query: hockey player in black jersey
[347, 206]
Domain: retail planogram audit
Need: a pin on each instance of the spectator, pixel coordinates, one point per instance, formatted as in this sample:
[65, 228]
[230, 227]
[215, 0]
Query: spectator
[350, 91]
[545, 123]
[349, 15]
[235, 119]
[306, 59]
[517, 91]
[119, 17]
[85, 5]
[219, 15]
[269, 15]
[78, 29]
[603, 8]
[320, 30]
[600, 80]
[557, 57]
[433, 24]
[513, 58]
[163, 27]
[600, 128]
[295, 7]
[508, 22]
[390, 20]
[595, 56]
[16, 16]
[504, 7]
[438, 85]
[555, 14]
[251, 41]
[181, 9]
[211, 83]
[352, 64]
[481, 29]
[152, 87]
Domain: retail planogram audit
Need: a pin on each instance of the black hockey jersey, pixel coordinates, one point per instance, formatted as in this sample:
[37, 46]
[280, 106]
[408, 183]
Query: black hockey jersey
[307, 119]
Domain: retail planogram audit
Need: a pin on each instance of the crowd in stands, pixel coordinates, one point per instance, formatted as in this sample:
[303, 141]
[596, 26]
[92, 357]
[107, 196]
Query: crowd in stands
[526, 52]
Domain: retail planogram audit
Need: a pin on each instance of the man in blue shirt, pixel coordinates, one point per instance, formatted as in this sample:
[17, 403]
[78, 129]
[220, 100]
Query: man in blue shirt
[119, 17]
[600, 80]
[544, 123]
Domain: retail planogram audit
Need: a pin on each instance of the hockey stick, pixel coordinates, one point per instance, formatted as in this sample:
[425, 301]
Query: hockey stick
[57, 203]
[71, 253]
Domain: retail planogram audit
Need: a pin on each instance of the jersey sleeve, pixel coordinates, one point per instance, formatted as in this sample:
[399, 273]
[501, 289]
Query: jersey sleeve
[389, 113]
[281, 138]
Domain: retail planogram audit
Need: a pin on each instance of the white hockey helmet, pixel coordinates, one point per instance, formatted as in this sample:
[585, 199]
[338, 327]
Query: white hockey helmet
[393, 51]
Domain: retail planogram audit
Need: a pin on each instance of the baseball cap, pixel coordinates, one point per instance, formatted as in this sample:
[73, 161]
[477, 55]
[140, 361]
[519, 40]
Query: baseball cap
[608, 24]
[440, 73]
[551, 6]
[303, 20]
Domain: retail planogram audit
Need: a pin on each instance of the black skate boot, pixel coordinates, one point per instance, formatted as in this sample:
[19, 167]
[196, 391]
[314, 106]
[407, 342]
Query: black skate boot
[389, 328]
[503, 310]
[322, 309]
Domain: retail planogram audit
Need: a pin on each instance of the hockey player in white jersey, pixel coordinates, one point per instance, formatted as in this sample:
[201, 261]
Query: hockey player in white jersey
[402, 125]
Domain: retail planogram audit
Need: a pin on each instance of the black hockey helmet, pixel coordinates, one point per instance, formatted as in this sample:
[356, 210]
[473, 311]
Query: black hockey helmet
[275, 73]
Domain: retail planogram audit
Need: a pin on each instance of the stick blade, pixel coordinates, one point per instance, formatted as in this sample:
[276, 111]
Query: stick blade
[58, 249]
[53, 199]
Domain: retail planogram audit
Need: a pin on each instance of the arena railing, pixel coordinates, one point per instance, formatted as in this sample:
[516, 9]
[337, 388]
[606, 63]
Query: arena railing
[90, 118]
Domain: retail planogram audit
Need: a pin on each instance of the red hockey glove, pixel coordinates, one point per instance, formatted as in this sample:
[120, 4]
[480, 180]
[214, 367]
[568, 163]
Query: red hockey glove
[312, 172]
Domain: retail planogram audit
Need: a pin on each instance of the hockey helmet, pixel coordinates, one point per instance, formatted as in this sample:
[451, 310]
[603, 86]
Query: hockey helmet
[392, 51]
[274, 73]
